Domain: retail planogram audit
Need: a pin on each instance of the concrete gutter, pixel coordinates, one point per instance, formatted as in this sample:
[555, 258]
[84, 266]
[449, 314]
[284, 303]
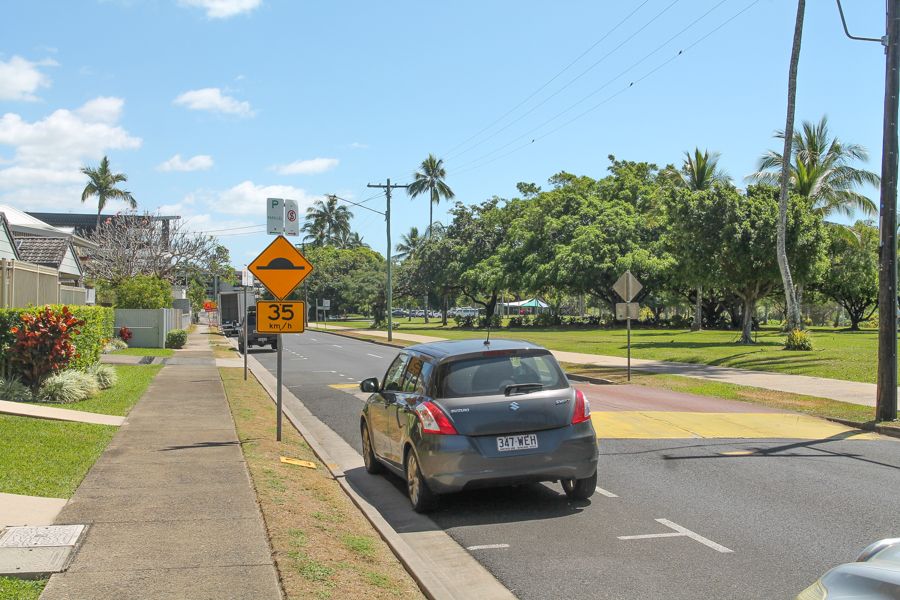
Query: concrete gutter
[440, 566]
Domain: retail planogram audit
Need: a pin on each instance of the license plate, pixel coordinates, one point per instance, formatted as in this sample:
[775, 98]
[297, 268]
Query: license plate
[526, 441]
[262, 340]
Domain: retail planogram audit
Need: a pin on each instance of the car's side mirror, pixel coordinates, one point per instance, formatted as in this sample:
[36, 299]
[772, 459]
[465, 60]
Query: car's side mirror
[370, 385]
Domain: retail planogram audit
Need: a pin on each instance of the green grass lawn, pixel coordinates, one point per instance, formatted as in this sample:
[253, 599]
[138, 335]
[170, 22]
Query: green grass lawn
[838, 354]
[165, 352]
[13, 588]
[117, 400]
[39, 457]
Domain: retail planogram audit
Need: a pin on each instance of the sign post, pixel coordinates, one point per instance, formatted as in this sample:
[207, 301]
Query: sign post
[280, 268]
[275, 216]
[291, 218]
[627, 286]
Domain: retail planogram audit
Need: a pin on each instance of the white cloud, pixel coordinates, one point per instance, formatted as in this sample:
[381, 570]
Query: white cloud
[248, 198]
[212, 100]
[312, 166]
[359, 145]
[49, 153]
[20, 78]
[201, 162]
[222, 9]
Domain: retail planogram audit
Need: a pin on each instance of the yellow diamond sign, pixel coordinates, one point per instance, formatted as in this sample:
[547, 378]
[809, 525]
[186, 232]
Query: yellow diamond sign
[280, 267]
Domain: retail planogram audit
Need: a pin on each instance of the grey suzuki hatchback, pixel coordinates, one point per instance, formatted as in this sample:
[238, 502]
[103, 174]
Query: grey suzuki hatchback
[450, 416]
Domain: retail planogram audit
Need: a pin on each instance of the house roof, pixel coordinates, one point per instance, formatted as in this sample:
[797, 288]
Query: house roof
[83, 223]
[5, 231]
[22, 223]
[46, 251]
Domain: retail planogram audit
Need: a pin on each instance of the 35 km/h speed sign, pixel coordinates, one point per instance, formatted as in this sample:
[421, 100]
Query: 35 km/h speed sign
[279, 317]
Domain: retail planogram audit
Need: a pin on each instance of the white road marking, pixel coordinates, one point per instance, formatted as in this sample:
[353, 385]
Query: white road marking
[373, 355]
[323, 371]
[694, 536]
[679, 532]
[336, 346]
[314, 339]
[606, 493]
[488, 547]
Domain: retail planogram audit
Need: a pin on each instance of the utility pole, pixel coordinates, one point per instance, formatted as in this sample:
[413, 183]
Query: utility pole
[886, 395]
[390, 284]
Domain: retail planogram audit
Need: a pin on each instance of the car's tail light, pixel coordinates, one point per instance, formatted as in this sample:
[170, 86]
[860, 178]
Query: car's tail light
[582, 408]
[434, 420]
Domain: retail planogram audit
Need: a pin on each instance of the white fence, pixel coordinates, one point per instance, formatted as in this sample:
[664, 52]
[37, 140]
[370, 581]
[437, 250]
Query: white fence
[24, 284]
[149, 327]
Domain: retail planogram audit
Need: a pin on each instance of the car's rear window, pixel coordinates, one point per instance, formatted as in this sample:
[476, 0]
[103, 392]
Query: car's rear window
[491, 373]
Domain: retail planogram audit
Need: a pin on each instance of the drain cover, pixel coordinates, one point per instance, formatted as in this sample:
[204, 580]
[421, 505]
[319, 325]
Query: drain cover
[31, 537]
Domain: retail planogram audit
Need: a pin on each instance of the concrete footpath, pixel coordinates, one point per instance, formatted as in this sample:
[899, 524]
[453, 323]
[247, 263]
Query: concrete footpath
[853, 392]
[170, 508]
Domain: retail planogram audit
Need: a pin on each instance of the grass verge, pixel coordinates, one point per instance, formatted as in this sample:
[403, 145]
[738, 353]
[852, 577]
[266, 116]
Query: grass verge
[810, 405]
[12, 588]
[39, 457]
[323, 546]
[164, 352]
[221, 347]
[119, 399]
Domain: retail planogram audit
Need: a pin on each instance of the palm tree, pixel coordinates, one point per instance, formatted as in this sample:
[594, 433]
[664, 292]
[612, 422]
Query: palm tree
[794, 321]
[430, 179]
[699, 172]
[102, 183]
[327, 222]
[821, 171]
[409, 243]
[351, 241]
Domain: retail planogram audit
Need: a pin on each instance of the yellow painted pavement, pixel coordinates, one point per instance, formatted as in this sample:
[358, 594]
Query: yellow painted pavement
[344, 386]
[650, 425]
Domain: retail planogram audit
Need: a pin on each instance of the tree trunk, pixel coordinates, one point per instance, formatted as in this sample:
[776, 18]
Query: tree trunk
[697, 325]
[444, 302]
[792, 308]
[425, 304]
[747, 321]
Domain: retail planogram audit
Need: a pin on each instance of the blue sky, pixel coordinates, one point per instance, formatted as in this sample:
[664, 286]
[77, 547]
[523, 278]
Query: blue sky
[209, 106]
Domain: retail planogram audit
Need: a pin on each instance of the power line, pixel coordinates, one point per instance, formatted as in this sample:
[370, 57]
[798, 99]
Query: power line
[549, 81]
[472, 164]
[336, 197]
[595, 91]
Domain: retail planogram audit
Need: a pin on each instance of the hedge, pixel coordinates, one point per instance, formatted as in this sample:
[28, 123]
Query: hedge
[96, 331]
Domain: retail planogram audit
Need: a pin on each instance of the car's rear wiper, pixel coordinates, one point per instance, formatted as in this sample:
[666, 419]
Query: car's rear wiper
[516, 389]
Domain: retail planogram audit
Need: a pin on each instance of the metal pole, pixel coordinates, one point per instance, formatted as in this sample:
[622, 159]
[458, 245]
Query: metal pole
[278, 393]
[246, 349]
[390, 281]
[628, 319]
[886, 404]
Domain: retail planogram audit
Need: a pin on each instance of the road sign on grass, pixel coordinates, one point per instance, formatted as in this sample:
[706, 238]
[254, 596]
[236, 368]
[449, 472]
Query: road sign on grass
[279, 317]
[280, 267]
[627, 286]
[627, 310]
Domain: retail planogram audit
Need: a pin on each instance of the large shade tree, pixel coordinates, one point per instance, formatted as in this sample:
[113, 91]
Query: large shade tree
[851, 279]
[429, 179]
[102, 183]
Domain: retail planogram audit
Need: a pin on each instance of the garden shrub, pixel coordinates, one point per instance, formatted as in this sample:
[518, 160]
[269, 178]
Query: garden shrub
[105, 375]
[125, 334]
[113, 345]
[516, 322]
[89, 339]
[465, 321]
[66, 387]
[546, 319]
[494, 322]
[13, 390]
[43, 344]
[144, 291]
[798, 340]
[176, 338]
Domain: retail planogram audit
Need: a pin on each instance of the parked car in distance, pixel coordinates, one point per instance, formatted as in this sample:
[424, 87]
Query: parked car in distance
[455, 415]
[231, 328]
[875, 576]
[253, 338]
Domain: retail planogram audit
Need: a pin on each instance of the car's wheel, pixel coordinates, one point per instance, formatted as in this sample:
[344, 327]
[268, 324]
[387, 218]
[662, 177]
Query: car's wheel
[580, 489]
[372, 465]
[421, 497]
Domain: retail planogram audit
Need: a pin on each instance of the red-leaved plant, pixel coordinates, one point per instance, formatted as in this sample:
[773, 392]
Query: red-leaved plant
[125, 334]
[43, 344]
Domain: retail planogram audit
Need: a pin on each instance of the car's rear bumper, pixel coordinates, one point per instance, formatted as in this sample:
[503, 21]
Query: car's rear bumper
[451, 463]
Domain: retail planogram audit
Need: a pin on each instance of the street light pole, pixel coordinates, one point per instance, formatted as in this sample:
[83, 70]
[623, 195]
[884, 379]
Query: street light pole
[390, 284]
